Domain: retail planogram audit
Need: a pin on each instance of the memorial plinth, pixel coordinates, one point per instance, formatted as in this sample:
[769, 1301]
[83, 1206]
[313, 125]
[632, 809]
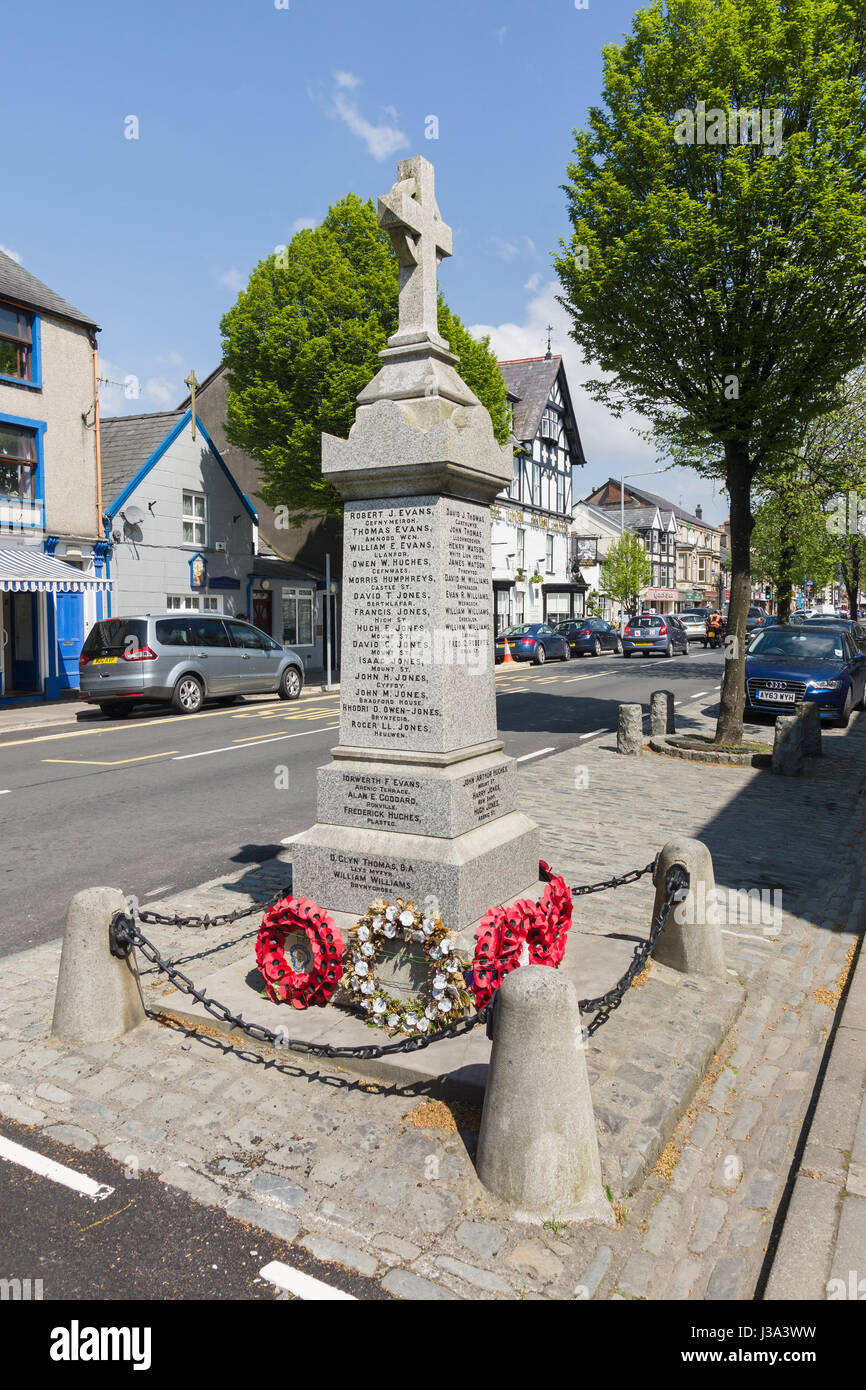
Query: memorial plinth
[419, 800]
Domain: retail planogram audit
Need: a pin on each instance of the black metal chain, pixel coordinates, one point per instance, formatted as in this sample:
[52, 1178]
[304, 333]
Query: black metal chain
[676, 881]
[124, 934]
[146, 915]
[581, 889]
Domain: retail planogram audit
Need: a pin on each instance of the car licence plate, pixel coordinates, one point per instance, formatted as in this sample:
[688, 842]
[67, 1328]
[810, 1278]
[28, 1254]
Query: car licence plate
[104, 660]
[784, 697]
[643, 644]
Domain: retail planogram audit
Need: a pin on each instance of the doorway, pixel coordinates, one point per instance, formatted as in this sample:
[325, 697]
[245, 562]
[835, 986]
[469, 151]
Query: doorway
[263, 609]
[19, 643]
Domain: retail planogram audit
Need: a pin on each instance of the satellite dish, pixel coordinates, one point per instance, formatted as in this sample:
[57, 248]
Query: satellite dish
[133, 515]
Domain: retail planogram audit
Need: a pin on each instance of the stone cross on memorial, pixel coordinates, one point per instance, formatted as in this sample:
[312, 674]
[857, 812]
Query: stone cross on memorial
[419, 800]
[411, 217]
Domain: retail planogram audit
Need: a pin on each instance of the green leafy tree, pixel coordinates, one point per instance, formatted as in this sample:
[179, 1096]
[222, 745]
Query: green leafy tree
[721, 287]
[594, 606]
[790, 540]
[626, 571]
[304, 339]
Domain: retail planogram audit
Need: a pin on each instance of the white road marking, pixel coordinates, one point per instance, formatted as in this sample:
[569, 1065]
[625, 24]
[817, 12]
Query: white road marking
[597, 731]
[698, 693]
[152, 892]
[235, 747]
[302, 1285]
[8, 792]
[536, 754]
[56, 1172]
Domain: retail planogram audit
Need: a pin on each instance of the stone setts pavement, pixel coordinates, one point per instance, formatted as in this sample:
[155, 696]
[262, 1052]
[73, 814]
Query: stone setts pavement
[379, 1178]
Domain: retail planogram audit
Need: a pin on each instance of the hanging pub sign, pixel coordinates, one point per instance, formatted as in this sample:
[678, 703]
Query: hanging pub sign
[585, 550]
[198, 572]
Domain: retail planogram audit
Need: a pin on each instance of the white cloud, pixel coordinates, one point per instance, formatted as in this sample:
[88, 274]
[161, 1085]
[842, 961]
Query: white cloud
[161, 391]
[382, 140]
[232, 280]
[521, 246]
[534, 282]
[611, 445]
[13, 255]
[500, 33]
[302, 224]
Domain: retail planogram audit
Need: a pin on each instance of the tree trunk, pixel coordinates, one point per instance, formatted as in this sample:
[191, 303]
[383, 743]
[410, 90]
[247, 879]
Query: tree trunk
[787, 560]
[729, 728]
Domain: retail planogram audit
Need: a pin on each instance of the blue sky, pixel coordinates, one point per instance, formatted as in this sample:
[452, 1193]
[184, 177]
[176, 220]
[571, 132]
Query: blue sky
[252, 119]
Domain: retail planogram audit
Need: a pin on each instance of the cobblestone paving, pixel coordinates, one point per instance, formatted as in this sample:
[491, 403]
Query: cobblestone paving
[380, 1180]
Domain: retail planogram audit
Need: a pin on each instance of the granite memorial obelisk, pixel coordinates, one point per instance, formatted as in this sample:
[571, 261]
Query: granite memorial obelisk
[419, 799]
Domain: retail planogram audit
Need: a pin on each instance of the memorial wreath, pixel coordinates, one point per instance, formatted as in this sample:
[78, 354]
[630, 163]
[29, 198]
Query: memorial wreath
[315, 981]
[386, 923]
[525, 933]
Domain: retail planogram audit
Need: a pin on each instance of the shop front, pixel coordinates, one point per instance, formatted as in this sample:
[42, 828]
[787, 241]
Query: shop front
[45, 608]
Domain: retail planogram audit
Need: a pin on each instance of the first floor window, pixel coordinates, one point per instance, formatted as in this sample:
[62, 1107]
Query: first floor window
[16, 343]
[521, 538]
[702, 569]
[193, 518]
[298, 617]
[684, 562]
[549, 554]
[17, 461]
[518, 609]
[560, 492]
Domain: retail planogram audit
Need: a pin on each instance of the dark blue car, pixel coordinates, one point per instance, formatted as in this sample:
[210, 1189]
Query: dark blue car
[790, 662]
[532, 642]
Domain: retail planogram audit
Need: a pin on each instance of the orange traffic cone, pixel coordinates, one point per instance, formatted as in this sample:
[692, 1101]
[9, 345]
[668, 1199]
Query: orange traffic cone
[507, 657]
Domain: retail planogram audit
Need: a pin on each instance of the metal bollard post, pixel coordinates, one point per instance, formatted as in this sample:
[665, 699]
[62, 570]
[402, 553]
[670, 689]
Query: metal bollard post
[97, 996]
[537, 1149]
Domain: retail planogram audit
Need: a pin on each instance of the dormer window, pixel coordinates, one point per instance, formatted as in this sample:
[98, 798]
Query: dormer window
[550, 425]
[16, 343]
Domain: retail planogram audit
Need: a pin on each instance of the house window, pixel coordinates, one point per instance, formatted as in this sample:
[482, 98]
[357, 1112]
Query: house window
[18, 461]
[684, 563]
[560, 492]
[536, 485]
[16, 343]
[179, 601]
[702, 569]
[549, 554]
[518, 610]
[194, 518]
[550, 425]
[521, 549]
[514, 490]
[298, 617]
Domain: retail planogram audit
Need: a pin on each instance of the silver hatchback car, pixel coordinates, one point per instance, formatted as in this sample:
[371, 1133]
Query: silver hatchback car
[182, 659]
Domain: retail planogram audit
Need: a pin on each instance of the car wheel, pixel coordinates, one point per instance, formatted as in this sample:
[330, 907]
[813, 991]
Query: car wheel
[628, 653]
[596, 648]
[617, 651]
[844, 718]
[540, 655]
[117, 709]
[188, 695]
[566, 655]
[290, 684]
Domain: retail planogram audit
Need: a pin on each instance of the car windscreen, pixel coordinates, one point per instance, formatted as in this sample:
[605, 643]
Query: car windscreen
[516, 632]
[115, 635]
[800, 644]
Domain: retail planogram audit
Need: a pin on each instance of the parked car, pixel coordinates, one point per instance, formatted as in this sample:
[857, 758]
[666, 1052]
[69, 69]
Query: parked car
[182, 659]
[655, 632]
[791, 662]
[532, 642]
[857, 630]
[694, 621]
[765, 620]
[590, 636]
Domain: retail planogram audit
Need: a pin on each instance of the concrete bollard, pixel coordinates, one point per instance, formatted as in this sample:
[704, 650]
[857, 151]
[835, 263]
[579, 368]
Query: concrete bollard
[807, 712]
[537, 1149]
[788, 746]
[689, 942]
[97, 996]
[629, 730]
[662, 720]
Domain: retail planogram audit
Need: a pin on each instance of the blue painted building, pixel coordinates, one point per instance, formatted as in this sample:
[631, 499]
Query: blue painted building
[52, 550]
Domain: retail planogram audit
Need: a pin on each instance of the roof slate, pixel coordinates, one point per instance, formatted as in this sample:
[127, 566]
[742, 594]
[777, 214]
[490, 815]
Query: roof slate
[531, 381]
[127, 442]
[18, 284]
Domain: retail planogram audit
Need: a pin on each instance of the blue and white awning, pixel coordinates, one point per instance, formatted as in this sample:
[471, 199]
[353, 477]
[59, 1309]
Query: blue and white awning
[25, 570]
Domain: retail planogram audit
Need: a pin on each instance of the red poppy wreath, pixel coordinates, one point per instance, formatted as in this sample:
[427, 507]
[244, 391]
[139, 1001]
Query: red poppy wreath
[314, 981]
[541, 928]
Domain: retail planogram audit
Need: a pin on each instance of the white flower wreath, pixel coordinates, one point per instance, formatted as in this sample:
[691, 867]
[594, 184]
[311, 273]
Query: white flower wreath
[448, 996]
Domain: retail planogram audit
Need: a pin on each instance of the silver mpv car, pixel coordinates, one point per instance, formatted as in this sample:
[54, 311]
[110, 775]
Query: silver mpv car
[182, 659]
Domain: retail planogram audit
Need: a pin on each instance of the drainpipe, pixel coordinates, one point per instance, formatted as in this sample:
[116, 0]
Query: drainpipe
[95, 356]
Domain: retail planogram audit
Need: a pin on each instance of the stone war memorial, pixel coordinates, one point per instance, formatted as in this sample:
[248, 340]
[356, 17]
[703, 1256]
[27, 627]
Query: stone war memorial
[419, 801]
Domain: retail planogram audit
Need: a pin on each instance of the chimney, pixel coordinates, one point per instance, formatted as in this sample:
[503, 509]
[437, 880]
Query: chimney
[699, 512]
